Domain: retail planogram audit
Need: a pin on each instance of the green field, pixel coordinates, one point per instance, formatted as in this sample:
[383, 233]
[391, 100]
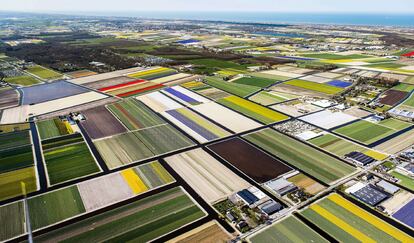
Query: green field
[387, 66]
[404, 87]
[139, 221]
[24, 80]
[273, 97]
[163, 139]
[320, 165]
[53, 128]
[14, 139]
[367, 132]
[14, 127]
[404, 180]
[233, 88]
[69, 162]
[409, 102]
[54, 207]
[336, 145]
[346, 222]
[135, 115]
[269, 76]
[331, 56]
[289, 230]
[254, 81]
[10, 182]
[44, 73]
[122, 149]
[214, 63]
[253, 110]
[318, 87]
[14, 159]
[12, 220]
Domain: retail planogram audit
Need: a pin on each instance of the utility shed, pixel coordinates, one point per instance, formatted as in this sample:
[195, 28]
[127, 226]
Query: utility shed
[270, 207]
[388, 187]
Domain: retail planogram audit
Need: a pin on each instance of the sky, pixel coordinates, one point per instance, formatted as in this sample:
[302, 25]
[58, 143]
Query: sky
[320, 6]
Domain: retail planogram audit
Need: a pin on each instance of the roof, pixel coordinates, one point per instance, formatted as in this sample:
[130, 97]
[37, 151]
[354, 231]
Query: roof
[388, 187]
[270, 207]
[370, 195]
[281, 186]
[247, 196]
[360, 157]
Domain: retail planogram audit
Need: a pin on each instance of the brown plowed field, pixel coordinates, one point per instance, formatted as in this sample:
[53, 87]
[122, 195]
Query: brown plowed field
[253, 162]
[392, 97]
[101, 123]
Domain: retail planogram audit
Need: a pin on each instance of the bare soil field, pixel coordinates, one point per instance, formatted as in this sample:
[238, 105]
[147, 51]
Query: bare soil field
[297, 91]
[101, 123]
[8, 98]
[256, 164]
[211, 179]
[392, 97]
[357, 112]
[396, 144]
[206, 233]
[104, 191]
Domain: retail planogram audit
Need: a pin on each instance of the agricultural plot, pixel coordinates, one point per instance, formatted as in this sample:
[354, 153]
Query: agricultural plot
[80, 74]
[139, 221]
[68, 158]
[209, 178]
[392, 97]
[14, 139]
[10, 182]
[131, 88]
[316, 79]
[281, 75]
[406, 214]
[241, 90]
[55, 206]
[110, 82]
[404, 87]
[195, 125]
[174, 78]
[296, 90]
[339, 83]
[369, 132]
[346, 222]
[12, 216]
[122, 149]
[53, 128]
[328, 119]
[248, 108]
[154, 73]
[14, 127]
[209, 232]
[163, 139]
[396, 144]
[271, 97]
[315, 163]
[205, 90]
[23, 80]
[226, 117]
[21, 113]
[51, 91]
[159, 102]
[288, 230]
[101, 123]
[16, 158]
[296, 108]
[44, 73]
[185, 96]
[254, 81]
[322, 88]
[308, 184]
[135, 115]
[109, 189]
[336, 145]
[258, 165]
[8, 98]
[403, 179]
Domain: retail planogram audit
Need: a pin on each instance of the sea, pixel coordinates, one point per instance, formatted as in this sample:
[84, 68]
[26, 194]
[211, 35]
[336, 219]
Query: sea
[370, 19]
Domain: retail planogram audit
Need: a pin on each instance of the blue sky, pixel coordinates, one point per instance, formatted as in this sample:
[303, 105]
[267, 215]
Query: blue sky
[366, 6]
